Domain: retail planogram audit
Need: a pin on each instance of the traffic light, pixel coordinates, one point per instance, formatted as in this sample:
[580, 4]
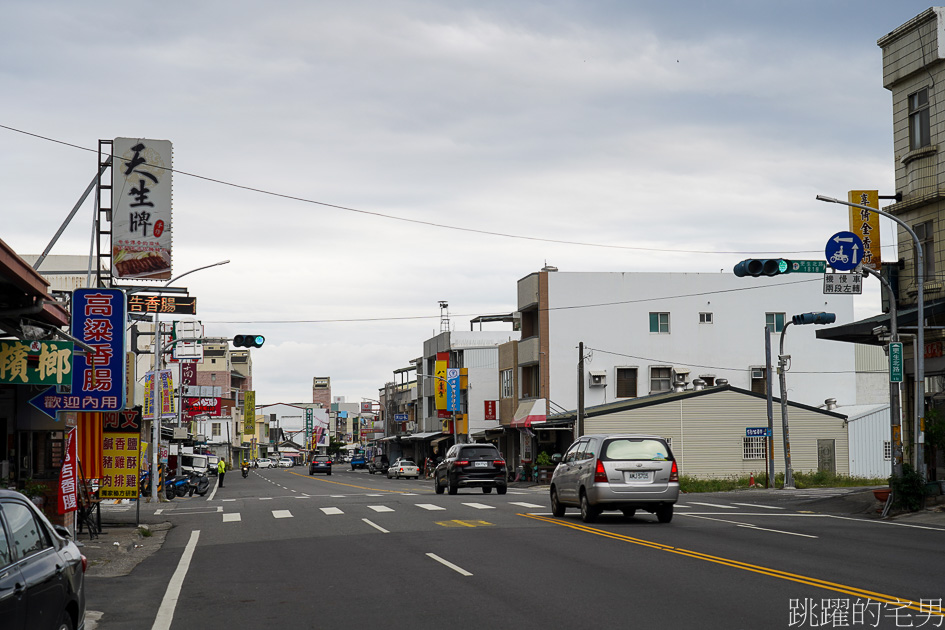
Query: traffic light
[248, 341]
[762, 267]
[814, 318]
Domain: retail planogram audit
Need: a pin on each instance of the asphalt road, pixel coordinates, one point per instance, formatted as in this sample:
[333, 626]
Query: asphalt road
[285, 549]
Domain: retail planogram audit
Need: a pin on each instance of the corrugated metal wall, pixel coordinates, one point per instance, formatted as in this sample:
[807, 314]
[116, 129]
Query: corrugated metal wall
[708, 433]
[481, 358]
[868, 434]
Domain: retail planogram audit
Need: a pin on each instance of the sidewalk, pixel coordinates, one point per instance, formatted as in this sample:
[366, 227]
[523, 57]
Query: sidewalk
[122, 546]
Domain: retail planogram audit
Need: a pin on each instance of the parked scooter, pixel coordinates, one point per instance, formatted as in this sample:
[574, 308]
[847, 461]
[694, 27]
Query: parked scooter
[199, 483]
[176, 486]
[245, 469]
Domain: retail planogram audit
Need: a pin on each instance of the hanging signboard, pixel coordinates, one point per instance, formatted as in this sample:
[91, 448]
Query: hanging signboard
[865, 224]
[165, 394]
[120, 466]
[36, 362]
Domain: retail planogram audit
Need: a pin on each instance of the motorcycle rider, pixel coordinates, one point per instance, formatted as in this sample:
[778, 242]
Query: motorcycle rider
[245, 468]
[221, 470]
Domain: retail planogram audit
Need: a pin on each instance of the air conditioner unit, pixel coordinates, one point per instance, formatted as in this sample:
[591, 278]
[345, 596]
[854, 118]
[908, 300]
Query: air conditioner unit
[597, 379]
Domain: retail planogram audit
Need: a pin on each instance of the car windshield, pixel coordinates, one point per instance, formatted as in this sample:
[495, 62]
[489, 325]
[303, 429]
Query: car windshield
[636, 449]
[479, 453]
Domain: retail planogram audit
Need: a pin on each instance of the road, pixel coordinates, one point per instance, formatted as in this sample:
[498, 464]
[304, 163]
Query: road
[285, 549]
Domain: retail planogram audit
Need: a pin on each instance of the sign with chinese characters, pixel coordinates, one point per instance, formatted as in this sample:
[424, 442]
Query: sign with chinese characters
[865, 224]
[127, 421]
[177, 305]
[98, 376]
[36, 362]
[849, 283]
[895, 362]
[808, 266]
[68, 488]
[757, 432]
[452, 389]
[365, 407]
[193, 407]
[165, 394]
[141, 208]
[490, 410]
[439, 381]
[309, 420]
[249, 412]
[121, 457]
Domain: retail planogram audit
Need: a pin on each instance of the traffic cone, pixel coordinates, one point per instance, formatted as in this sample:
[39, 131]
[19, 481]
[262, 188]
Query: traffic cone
[751, 481]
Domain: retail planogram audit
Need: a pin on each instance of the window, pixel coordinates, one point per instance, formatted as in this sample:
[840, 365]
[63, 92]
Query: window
[660, 379]
[919, 134]
[27, 534]
[887, 450]
[505, 383]
[774, 322]
[926, 238]
[705, 318]
[755, 447]
[215, 429]
[530, 381]
[759, 381]
[626, 382]
[659, 323]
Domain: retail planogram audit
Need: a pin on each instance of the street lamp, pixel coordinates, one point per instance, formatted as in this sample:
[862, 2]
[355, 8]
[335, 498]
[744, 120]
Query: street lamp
[156, 415]
[918, 428]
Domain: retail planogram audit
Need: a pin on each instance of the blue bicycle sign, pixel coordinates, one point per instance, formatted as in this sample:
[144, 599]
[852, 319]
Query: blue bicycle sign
[844, 251]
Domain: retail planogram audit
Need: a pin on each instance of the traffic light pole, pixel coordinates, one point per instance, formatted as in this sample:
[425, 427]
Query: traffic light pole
[919, 420]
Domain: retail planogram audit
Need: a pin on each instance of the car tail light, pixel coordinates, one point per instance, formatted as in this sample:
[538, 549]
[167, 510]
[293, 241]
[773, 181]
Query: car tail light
[674, 473]
[85, 564]
[600, 475]
[499, 463]
[461, 462]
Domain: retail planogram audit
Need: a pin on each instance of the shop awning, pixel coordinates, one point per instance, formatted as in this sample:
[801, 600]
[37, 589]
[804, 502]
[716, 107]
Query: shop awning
[423, 436]
[530, 412]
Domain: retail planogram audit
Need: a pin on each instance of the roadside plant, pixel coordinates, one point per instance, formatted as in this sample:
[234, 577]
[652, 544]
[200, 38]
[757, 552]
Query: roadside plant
[908, 490]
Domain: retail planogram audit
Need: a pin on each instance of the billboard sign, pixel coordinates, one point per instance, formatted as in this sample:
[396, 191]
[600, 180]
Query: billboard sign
[865, 224]
[141, 208]
[36, 362]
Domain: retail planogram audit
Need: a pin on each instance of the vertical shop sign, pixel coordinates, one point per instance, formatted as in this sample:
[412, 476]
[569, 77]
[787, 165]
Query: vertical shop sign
[865, 224]
[249, 412]
[68, 488]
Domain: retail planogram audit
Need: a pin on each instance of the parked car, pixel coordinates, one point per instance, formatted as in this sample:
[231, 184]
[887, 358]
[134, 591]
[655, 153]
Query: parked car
[42, 573]
[265, 462]
[471, 466]
[212, 461]
[378, 464]
[625, 472]
[320, 463]
[358, 461]
[286, 462]
[403, 468]
[194, 463]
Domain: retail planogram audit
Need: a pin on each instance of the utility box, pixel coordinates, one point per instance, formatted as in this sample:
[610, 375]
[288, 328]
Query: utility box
[597, 378]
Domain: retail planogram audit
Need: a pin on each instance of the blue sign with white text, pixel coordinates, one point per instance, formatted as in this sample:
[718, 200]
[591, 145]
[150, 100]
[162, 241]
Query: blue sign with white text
[452, 389]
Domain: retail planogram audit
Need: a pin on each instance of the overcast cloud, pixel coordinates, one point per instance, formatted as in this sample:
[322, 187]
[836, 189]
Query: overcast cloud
[694, 132]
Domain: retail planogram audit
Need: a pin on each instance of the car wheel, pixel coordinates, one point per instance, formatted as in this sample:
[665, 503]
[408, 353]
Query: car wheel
[329, 473]
[388, 474]
[557, 508]
[501, 489]
[486, 490]
[453, 488]
[664, 513]
[629, 512]
[65, 623]
[437, 486]
[589, 513]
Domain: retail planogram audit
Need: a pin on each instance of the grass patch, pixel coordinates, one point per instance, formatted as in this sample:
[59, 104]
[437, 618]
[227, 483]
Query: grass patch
[145, 532]
[809, 479]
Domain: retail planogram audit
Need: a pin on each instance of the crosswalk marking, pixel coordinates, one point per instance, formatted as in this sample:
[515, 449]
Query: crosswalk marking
[381, 508]
[480, 506]
[331, 510]
[231, 517]
[430, 506]
[281, 514]
[525, 505]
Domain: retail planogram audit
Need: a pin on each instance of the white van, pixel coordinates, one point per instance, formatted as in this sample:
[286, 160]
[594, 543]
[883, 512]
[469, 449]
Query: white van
[194, 463]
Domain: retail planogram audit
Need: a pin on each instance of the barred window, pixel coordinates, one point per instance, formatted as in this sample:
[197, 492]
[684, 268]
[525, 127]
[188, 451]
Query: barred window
[887, 450]
[755, 447]
[506, 383]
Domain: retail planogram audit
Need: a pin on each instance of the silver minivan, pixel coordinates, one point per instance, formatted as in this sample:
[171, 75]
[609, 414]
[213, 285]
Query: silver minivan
[623, 472]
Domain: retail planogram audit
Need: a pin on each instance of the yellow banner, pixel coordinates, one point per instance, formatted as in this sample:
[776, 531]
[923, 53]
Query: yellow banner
[865, 224]
[120, 466]
[249, 413]
[440, 373]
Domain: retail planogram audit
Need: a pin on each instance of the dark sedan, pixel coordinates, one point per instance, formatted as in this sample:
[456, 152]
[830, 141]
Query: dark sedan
[42, 573]
[320, 464]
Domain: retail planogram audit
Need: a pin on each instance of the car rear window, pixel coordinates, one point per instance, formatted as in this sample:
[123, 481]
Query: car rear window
[479, 453]
[322, 458]
[636, 449]
[407, 462]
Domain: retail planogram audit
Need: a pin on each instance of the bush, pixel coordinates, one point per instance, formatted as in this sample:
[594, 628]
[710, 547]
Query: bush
[908, 490]
[802, 479]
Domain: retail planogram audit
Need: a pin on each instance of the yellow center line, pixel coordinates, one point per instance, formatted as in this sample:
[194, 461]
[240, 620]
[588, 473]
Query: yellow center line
[736, 564]
[350, 485]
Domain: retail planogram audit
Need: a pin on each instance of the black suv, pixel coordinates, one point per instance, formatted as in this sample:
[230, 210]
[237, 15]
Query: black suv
[378, 464]
[471, 466]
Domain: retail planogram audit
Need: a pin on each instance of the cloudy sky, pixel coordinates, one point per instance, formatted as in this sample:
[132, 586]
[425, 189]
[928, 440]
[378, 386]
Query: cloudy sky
[360, 161]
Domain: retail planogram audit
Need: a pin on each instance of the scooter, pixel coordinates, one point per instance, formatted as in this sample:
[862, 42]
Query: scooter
[245, 469]
[199, 483]
[176, 486]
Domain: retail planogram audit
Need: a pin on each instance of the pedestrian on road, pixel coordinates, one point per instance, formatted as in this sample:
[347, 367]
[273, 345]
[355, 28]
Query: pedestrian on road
[221, 470]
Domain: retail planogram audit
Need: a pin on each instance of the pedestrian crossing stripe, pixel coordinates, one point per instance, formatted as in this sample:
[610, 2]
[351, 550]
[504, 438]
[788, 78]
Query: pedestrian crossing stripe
[459, 523]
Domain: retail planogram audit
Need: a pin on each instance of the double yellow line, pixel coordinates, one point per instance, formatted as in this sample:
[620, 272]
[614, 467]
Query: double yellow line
[754, 568]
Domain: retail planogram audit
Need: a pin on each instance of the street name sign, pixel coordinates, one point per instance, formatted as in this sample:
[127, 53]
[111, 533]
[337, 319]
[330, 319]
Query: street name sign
[808, 266]
[895, 362]
[757, 432]
[844, 251]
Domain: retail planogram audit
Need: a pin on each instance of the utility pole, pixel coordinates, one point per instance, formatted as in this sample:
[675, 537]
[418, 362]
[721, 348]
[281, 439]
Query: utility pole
[782, 368]
[769, 439]
[579, 421]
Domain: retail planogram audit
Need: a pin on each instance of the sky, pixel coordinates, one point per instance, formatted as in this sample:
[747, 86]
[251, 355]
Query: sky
[359, 161]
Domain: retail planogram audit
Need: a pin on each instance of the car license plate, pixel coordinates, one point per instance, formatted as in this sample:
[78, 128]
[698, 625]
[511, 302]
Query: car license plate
[480, 464]
[637, 476]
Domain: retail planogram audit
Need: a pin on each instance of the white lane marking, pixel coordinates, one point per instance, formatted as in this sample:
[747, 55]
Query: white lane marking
[525, 505]
[233, 517]
[281, 514]
[682, 505]
[446, 563]
[165, 614]
[430, 506]
[337, 496]
[376, 526]
[750, 526]
[331, 510]
[295, 491]
[381, 508]
[225, 500]
[408, 494]
[715, 505]
[265, 498]
[158, 511]
[848, 518]
[482, 506]
[219, 508]
[375, 495]
[757, 505]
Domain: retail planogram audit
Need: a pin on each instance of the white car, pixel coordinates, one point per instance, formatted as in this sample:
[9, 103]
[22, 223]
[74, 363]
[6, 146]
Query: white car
[265, 462]
[403, 468]
[286, 462]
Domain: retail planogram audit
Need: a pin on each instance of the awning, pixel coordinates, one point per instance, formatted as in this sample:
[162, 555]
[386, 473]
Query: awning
[289, 453]
[417, 437]
[530, 412]
[438, 440]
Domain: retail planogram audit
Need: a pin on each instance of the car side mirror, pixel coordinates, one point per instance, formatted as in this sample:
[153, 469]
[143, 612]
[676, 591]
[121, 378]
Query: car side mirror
[62, 531]
[556, 458]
